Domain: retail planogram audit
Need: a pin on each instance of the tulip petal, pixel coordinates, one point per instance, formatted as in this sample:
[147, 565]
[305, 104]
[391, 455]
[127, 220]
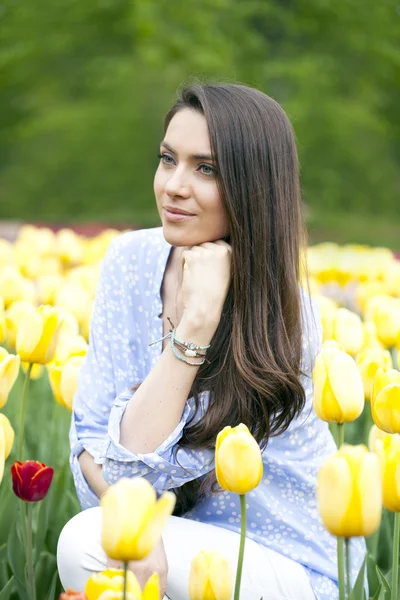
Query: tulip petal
[29, 334]
[347, 386]
[386, 409]
[151, 590]
[221, 577]
[127, 506]
[9, 369]
[111, 581]
[2, 453]
[198, 577]
[370, 492]
[40, 483]
[319, 379]
[54, 373]
[9, 434]
[151, 533]
[334, 493]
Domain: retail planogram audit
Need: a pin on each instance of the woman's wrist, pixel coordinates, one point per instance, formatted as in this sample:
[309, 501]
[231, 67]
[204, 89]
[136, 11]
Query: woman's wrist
[196, 328]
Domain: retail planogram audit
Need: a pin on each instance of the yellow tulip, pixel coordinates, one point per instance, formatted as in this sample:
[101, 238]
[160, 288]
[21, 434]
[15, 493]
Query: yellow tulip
[47, 287]
[338, 387]
[3, 326]
[69, 247]
[2, 453]
[114, 595]
[349, 492]
[385, 312]
[9, 435]
[111, 580]
[14, 315]
[133, 518]
[347, 330]
[71, 346]
[151, 590]
[385, 400]
[238, 463]
[54, 372]
[15, 287]
[327, 309]
[9, 369]
[69, 379]
[210, 577]
[369, 361]
[38, 334]
[376, 434]
[388, 451]
[371, 336]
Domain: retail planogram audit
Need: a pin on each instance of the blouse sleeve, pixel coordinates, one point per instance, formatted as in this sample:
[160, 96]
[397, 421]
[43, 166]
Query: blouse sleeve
[98, 410]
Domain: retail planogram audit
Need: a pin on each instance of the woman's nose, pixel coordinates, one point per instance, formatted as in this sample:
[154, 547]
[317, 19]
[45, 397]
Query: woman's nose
[177, 184]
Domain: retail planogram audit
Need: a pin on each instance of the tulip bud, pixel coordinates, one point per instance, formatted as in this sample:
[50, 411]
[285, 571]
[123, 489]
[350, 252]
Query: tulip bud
[369, 361]
[133, 518]
[9, 369]
[69, 379]
[151, 590]
[347, 330]
[9, 435]
[14, 316]
[349, 492]
[210, 577]
[327, 308]
[238, 463]
[376, 434]
[111, 580]
[15, 287]
[31, 480]
[3, 326]
[338, 387]
[371, 336]
[388, 451]
[385, 312]
[38, 334]
[385, 400]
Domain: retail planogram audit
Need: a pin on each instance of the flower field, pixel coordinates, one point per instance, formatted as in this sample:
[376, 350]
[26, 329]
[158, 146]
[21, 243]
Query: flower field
[47, 288]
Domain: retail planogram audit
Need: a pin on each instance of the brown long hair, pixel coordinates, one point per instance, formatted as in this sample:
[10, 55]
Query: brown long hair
[255, 355]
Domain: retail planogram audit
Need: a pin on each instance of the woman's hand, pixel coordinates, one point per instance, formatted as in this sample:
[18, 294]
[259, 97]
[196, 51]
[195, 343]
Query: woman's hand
[206, 280]
[154, 562]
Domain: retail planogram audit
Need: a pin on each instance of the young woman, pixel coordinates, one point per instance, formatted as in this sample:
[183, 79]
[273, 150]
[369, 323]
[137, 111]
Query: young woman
[224, 270]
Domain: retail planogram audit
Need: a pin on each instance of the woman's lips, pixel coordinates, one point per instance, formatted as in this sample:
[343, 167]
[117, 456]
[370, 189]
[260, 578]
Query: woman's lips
[176, 217]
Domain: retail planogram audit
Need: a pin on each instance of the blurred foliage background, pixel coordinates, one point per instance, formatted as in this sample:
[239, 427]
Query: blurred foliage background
[84, 87]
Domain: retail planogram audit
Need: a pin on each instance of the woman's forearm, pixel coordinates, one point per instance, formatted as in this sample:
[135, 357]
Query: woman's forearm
[92, 473]
[156, 407]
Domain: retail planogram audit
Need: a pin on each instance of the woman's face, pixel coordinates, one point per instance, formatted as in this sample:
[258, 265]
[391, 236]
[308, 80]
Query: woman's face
[185, 184]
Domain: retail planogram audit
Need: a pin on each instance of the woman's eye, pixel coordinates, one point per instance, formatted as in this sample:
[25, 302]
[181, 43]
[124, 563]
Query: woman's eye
[210, 172]
[164, 158]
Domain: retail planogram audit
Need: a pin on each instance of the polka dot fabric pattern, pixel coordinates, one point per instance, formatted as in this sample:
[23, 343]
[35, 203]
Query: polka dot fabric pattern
[282, 510]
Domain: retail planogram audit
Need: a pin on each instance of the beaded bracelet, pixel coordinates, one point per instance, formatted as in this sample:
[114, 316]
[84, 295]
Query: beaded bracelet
[188, 348]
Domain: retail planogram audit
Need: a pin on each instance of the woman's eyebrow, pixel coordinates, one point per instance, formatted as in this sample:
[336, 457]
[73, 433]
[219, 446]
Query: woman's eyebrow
[192, 156]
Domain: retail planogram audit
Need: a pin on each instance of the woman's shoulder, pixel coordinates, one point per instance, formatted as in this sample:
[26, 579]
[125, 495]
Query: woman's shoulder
[137, 246]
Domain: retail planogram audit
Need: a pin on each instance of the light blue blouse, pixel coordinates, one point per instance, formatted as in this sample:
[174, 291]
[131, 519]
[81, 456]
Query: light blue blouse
[282, 510]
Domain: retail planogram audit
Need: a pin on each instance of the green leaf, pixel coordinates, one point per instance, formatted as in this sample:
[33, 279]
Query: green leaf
[373, 579]
[7, 590]
[41, 528]
[17, 558]
[53, 586]
[358, 591]
[45, 570]
[383, 580]
[380, 593]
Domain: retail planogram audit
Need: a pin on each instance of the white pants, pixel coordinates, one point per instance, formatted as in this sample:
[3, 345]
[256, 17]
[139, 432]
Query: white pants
[265, 573]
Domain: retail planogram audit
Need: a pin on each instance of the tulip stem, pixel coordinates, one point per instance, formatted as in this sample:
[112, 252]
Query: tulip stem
[29, 553]
[340, 560]
[394, 358]
[23, 411]
[395, 567]
[347, 553]
[241, 547]
[125, 579]
[340, 434]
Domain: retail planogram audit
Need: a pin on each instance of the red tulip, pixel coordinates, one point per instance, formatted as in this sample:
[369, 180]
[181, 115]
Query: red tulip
[71, 594]
[31, 480]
